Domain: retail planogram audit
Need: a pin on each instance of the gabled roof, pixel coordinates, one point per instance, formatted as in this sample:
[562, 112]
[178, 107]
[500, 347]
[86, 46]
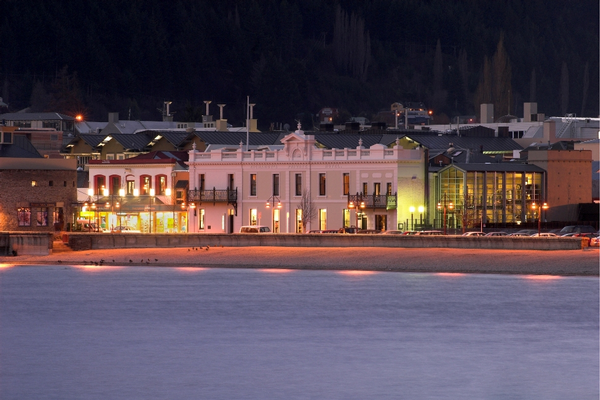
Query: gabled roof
[154, 157]
[133, 142]
[20, 148]
[163, 155]
[43, 116]
[92, 140]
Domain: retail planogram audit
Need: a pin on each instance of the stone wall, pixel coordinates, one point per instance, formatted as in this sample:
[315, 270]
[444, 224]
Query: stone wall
[87, 241]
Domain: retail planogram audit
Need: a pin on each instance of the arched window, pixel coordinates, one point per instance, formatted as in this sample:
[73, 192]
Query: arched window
[99, 184]
[114, 184]
[145, 184]
[160, 184]
[130, 179]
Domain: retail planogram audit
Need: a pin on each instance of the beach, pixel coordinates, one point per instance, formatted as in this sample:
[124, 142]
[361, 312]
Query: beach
[583, 262]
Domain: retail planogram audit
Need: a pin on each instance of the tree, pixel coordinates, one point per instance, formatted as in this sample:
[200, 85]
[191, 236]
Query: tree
[309, 212]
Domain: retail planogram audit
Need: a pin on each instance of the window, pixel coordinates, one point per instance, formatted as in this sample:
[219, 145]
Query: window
[389, 189]
[24, 216]
[275, 184]
[41, 216]
[346, 184]
[100, 184]
[65, 184]
[120, 156]
[298, 184]
[130, 185]
[145, 184]
[201, 181]
[231, 185]
[322, 185]
[110, 156]
[323, 219]
[253, 216]
[376, 188]
[161, 184]
[115, 184]
[201, 219]
[7, 137]
[252, 186]
[51, 183]
[365, 190]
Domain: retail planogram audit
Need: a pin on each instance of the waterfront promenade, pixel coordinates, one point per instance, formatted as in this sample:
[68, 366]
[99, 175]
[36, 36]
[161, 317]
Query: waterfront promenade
[538, 262]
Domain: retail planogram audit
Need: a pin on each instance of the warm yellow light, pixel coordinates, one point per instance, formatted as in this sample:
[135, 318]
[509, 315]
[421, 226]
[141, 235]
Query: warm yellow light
[439, 206]
[421, 209]
[79, 117]
[355, 272]
[351, 204]
[121, 192]
[268, 205]
[105, 192]
[279, 205]
[167, 192]
[276, 270]
[533, 206]
[136, 192]
[411, 209]
[193, 205]
[545, 206]
[90, 192]
[152, 192]
[362, 204]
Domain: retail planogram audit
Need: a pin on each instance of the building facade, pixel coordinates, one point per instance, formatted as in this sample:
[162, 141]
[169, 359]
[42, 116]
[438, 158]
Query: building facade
[302, 187]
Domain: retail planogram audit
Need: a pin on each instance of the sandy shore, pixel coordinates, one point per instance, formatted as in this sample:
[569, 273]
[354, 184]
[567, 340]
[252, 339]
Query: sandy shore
[561, 262]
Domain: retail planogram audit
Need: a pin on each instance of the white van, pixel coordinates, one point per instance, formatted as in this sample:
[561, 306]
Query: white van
[255, 229]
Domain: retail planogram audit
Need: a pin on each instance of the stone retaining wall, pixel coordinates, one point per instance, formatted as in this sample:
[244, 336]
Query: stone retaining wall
[25, 243]
[89, 241]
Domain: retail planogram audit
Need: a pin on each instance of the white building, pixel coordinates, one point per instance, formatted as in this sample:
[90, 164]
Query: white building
[374, 188]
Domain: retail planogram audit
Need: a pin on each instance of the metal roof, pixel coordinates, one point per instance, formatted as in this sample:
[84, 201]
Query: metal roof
[21, 147]
[234, 138]
[133, 142]
[443, 142]
[43, 116]
[498, 167]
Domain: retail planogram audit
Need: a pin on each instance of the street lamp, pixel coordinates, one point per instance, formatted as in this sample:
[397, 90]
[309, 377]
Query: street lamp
[412, 221]
[421, 210]
[445, 205]
[150, 202]
[273, 200]
[539, 207]
[121, 195]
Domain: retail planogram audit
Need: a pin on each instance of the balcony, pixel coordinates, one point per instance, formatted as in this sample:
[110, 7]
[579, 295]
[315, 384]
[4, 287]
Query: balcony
[374, 201]
[214, 196]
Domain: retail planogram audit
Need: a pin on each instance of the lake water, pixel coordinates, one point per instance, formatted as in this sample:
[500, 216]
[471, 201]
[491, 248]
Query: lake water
[185, 333]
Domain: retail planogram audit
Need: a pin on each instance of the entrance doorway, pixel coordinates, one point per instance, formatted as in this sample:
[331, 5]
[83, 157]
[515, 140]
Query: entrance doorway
[229, 221]
[381, 222]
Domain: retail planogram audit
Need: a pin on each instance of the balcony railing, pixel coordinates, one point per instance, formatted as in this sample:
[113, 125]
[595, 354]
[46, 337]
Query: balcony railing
[374, 201]
[228, 196]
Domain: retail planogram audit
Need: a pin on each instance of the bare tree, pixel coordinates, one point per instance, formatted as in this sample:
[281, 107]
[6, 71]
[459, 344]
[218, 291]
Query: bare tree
[309, 212]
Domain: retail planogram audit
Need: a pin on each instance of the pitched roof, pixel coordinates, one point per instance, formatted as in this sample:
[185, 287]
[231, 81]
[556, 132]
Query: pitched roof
[43, 116]
[20, 148]
[133, 142]
[234, 138]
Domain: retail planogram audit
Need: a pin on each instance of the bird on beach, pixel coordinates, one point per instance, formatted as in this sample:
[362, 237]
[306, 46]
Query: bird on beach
[130, 261]
[207, 248]
[188, 249]
[156, 259]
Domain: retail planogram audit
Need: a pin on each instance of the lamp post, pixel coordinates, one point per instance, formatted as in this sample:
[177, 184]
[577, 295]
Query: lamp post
[121, 195]
[539, 207]
[362, 206]
[150, 202]
[352, 206]
[274, 200]
[445, 205]
[421, 210]
[412, 221]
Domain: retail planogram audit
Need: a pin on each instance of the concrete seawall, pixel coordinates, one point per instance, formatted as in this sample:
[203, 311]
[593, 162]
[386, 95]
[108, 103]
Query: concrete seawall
[25, 243]
[99, 241]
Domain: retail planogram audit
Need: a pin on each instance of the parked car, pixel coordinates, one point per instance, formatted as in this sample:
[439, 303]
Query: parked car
[522, 234]
[348, 230]
[595, 241]
[429, 233]
[255, 229]
[577, 229]
[527, 232]
[369, 231]
[496, 234]
[393, 233]
[475, 233]
[125, 229]
[544, 234]
[409, 232]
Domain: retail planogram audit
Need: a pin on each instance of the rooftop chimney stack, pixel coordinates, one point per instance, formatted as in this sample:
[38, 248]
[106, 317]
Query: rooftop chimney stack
[221, 123]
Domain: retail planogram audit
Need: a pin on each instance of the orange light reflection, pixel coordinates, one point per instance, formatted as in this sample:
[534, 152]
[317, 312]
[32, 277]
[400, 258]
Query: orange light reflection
[6, 265]
[542, 277]
[190, 269]
[450, 274]
[276, 270]
[356, 272]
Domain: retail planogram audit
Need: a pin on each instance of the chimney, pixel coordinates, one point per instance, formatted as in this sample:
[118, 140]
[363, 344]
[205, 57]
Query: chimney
[113, 117]
[529, 112]
[252, 122]
[487, 114]
[550, 131]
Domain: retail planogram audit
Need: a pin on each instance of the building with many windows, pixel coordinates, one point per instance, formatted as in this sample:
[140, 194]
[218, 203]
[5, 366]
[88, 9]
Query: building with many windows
[304, 187]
